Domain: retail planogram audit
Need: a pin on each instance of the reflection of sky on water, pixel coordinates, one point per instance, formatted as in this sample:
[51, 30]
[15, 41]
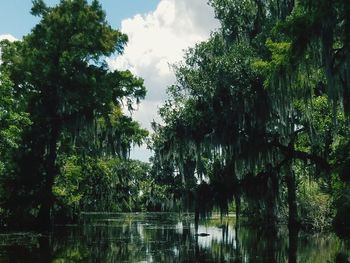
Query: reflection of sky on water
[166, 238]
[216, 235]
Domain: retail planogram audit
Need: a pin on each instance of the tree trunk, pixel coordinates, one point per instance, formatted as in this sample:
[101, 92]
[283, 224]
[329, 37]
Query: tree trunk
[272, 187]
[293, 219]
[238, 207]
[293, 246]
[238, 252]
[196, 218]
[47, 199]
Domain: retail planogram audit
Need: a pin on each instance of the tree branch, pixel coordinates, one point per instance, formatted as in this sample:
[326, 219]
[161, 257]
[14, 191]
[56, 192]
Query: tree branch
[291, 153]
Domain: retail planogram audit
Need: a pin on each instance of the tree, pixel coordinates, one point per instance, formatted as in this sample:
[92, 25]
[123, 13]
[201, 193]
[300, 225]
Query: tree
[322, 29]
[13, 121]
[60, 68]
[248, 107]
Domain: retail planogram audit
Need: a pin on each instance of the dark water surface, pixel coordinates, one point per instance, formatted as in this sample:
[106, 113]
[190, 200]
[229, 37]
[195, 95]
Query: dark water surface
[167, 237]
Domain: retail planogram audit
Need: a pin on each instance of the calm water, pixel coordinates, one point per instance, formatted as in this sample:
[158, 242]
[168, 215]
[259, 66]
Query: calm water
[166, 237]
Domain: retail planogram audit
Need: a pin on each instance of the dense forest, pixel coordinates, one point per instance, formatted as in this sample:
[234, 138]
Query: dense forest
[257, 121]
[259, 116]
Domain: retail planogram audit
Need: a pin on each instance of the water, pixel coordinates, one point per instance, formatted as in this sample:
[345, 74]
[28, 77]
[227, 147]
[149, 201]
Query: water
[166, 237]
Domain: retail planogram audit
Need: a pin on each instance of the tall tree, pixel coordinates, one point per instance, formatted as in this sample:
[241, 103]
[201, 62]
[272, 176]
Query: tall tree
[236, 109]
[60, 67]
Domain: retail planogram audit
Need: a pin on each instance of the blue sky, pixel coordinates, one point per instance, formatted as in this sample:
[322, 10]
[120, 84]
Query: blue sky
[15, 17]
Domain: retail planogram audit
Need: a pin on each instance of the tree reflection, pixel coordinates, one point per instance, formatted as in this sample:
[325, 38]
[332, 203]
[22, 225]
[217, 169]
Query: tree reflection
[171, 238]
[293, 245]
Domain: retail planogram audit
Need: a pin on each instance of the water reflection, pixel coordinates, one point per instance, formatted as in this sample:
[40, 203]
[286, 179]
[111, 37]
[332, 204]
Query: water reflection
[167, 237]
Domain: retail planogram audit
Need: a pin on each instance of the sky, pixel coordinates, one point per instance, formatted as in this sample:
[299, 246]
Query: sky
[159, 32]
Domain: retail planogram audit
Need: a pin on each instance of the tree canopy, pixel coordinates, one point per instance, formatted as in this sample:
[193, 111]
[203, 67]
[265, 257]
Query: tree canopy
[59, 73]
[259, 108]
[256, 121]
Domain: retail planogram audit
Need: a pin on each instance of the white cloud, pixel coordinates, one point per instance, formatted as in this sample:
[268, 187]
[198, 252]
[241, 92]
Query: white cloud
[8, 37]
[143, 112]
[157, 40]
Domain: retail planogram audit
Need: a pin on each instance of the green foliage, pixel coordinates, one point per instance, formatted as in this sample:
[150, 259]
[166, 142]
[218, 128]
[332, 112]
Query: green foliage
[153, 196]
[315, 206]
[60, 77]
[13, 120]
[238, 17]
[39, 8]
[256, 106]
[257, 115]
[321, 28]
[278, 64]
[66, 187]
[341, 222]
[103, 184]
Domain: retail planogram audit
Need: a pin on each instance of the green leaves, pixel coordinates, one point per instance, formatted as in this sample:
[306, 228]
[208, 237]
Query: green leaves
[279, 64]
[13, 120]
[66, 187]
[39, 8]
[103, 184]
[59, 75]
[252, 99]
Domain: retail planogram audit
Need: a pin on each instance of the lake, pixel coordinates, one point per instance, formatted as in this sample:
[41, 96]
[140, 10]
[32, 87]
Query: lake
[167, 237]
